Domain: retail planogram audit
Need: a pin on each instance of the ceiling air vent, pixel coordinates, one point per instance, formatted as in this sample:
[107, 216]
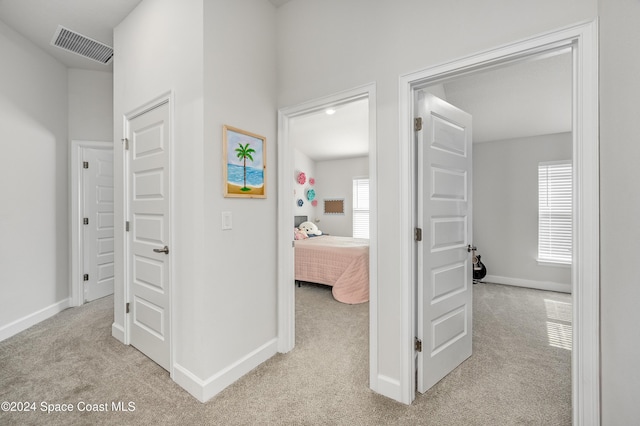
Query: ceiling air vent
[81, 45]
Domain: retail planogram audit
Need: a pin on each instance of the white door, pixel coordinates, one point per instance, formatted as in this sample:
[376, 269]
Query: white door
[444, 275]
[149, 199]
[97, 217]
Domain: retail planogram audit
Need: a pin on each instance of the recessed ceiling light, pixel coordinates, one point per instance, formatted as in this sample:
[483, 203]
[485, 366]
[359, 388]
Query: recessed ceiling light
[330, 111]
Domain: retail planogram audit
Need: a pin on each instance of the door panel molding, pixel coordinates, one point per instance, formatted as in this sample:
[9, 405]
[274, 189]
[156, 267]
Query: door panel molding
[444, 322]
[148, 185]
[583, 40]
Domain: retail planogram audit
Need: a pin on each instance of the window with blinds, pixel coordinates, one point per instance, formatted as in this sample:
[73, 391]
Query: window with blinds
[555, 212]
[361, 208]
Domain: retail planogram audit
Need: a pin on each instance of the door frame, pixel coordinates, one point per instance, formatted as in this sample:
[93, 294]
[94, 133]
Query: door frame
[286, 170]
[583, 38]
[75, 224]
[166, 98]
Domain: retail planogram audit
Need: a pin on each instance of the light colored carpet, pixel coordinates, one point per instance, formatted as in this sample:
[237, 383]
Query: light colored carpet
[514, 377]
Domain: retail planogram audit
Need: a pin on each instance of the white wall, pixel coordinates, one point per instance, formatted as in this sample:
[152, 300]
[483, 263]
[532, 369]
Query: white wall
[335, 180]
[239, 286]
[505, 209]
[90, 105]
[302, 163]
[159, 48]
[386, 40]
[34, 261]
[224, 282]
[619, 210]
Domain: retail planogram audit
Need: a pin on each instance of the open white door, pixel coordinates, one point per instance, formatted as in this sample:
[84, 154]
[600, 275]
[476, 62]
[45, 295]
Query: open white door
[97, 216]
[443, 217]
[149, 136]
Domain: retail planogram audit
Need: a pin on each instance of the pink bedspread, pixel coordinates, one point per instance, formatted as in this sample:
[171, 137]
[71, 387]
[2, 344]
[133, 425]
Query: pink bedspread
[340, 262]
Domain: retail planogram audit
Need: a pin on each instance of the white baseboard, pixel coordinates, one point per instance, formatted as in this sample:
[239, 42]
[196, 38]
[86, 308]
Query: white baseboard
[32, 319]
[117, 331]
[386, 386]
[538, 285]
[204, 390]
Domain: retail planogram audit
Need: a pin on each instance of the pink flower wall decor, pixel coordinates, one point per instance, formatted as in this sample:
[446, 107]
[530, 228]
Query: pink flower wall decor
[312, 181]
[302, 178]
[314, 203]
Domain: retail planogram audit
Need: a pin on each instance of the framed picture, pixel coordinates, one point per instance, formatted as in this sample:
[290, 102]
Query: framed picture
[245, 163]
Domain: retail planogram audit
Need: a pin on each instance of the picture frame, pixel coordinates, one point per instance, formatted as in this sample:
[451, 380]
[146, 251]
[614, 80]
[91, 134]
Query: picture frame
[244, 163]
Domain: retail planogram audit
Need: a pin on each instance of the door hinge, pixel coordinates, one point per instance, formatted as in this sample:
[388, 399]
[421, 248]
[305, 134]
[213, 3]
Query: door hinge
[417, 124]
[85, 277]
[418, 234]
[126, 226]
[418, 345]
[126, 143]
[85, 164]
[127, 308]
[85, 221]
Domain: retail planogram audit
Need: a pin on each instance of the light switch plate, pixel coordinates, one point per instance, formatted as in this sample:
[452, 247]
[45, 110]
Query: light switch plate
[226, 221]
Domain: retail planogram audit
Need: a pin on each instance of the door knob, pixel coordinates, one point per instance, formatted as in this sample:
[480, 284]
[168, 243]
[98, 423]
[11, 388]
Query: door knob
[164, 250]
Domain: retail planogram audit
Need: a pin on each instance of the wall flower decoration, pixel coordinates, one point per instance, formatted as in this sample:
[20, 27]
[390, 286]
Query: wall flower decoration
[314, 203]
[302, 178]
[300, 202]
[312, 181]
[311, 194]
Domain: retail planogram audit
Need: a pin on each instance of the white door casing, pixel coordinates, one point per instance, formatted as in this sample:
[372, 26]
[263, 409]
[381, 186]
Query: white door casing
[97, 230]
[444, 276]
[286, 294]
[148, 135]
[585, 363]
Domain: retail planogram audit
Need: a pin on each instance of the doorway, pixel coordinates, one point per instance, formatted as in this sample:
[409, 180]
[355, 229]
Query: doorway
[286, 168]
[147, 176]
[521, 117]
[91, 220]
[583, 42]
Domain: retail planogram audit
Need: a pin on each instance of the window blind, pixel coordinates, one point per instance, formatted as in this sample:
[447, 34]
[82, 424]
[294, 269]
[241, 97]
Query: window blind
[555, 211]
[361, 208]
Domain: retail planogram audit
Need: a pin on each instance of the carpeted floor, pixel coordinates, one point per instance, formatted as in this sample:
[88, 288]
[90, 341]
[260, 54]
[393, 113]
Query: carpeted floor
[519, 373]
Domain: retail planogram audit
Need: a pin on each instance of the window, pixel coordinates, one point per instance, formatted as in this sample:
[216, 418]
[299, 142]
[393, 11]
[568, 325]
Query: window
[361, 208]
[554, 212]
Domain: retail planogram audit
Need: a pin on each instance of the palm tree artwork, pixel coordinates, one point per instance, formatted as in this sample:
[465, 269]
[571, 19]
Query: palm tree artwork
[243, 152]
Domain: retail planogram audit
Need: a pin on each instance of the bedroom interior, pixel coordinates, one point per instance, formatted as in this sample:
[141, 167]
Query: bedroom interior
[521, 117]
[331, 150]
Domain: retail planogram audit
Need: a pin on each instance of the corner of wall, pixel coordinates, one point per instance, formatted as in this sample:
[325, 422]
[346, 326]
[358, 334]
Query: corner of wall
[204, 390]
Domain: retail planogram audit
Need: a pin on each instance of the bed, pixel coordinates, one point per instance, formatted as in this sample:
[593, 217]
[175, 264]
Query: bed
[340, 262]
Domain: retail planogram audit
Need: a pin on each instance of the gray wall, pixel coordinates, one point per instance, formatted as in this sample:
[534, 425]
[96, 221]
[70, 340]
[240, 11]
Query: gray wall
[34, 260]
[90, 105]
[505, 209]
[620, 210]
[335, 180]
[306, 165]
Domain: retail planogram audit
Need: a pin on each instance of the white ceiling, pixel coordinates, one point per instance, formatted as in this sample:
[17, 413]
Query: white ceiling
[37, 20]
[326, 137]
[527, 98]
